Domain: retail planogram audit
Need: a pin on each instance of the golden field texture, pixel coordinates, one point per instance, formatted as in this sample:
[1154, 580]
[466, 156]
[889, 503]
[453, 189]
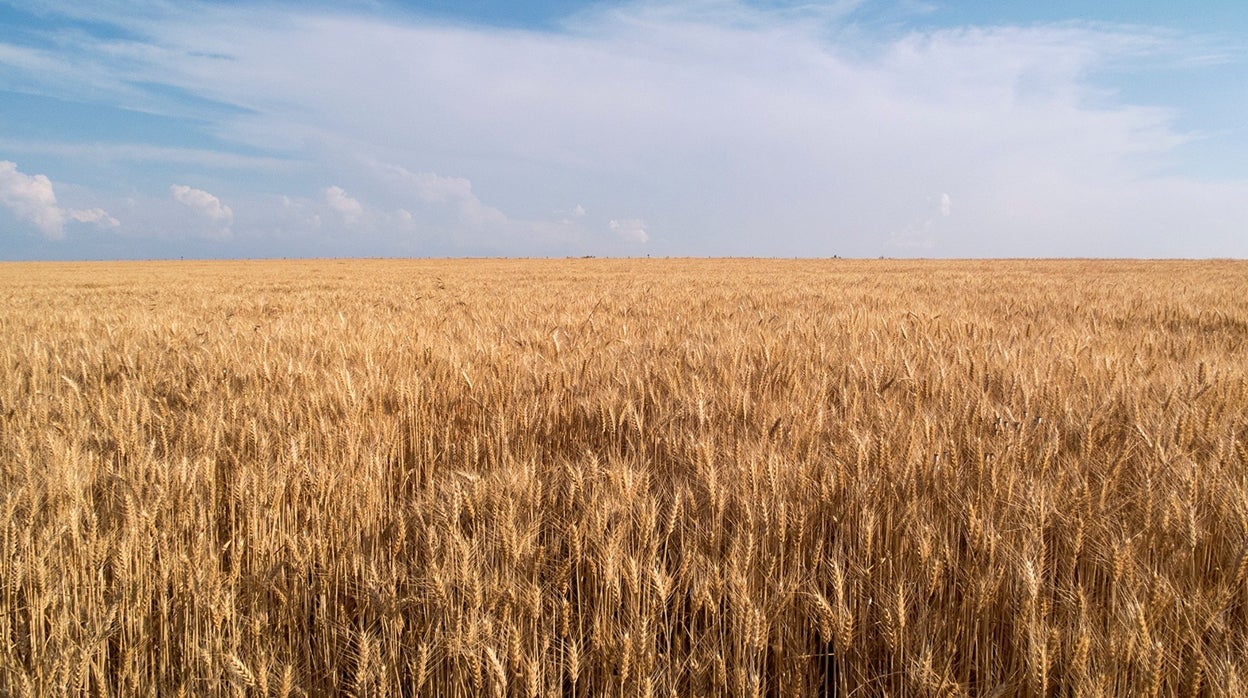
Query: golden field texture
[624, 478]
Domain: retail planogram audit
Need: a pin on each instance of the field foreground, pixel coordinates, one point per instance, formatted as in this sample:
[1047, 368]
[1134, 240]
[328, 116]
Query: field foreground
[624, 477]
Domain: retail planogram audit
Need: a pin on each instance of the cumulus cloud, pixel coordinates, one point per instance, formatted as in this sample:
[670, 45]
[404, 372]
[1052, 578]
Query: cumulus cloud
[349, 208]
[630, 230]
[32, 199]
[202, 202]
[946, 205]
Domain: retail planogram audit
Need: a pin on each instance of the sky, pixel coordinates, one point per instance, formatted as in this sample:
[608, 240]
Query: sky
[856, 128]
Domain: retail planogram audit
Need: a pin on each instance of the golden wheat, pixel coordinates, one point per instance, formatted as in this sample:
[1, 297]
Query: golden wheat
[624, 477]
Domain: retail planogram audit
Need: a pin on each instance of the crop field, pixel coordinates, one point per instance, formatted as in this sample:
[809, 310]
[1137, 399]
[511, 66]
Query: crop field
[624, 478]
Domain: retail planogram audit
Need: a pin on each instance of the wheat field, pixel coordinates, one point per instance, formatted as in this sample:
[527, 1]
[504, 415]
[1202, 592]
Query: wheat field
[624, 478]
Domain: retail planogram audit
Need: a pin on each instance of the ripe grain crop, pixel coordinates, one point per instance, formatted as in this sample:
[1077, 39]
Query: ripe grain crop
[624, 478]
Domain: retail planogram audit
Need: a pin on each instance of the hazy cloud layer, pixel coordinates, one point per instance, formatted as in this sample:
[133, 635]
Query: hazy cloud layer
[725, 128]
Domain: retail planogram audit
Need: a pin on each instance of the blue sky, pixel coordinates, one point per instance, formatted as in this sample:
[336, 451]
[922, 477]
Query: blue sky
[712, 127]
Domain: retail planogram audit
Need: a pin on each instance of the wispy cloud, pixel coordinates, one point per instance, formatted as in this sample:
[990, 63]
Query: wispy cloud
[143, 153]
[97, 216]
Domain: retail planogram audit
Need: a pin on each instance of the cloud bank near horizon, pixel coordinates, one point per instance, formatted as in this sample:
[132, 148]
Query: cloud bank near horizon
[715, 128]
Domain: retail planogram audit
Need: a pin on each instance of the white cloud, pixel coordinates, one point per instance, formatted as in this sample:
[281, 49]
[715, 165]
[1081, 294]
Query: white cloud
[630, 230]
[453, 194]
[349, 208]
[31, 199]
[946, 205]
[567, 215]
[202, 202]
[97, 216]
